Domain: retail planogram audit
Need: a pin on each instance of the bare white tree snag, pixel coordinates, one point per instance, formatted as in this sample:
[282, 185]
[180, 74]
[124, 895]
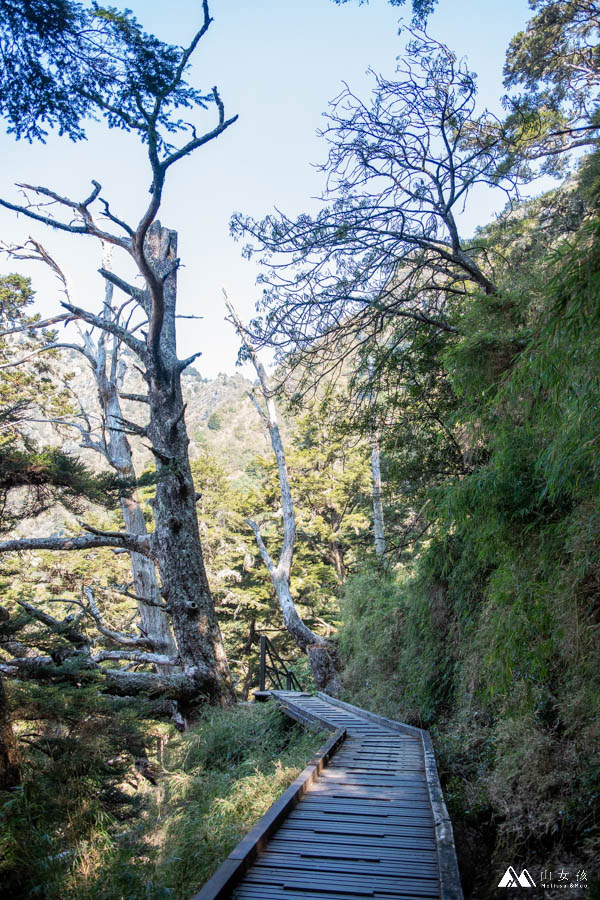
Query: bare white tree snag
[109, 374]
[104, 356]
[378, 522]
[320, 651]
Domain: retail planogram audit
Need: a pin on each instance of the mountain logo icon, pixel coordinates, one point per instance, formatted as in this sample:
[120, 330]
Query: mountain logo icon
[511, 879]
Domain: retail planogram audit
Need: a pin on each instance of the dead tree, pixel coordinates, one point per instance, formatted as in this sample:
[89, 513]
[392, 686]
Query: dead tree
[145, 106]
[378, 520]
[108, 437]
[320, 651]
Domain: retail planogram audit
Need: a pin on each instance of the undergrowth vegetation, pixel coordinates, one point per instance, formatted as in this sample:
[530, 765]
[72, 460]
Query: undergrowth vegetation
[115, 808]
[490, 635]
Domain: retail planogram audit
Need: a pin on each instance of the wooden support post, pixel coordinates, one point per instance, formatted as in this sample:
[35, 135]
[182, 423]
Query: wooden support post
[263, 662]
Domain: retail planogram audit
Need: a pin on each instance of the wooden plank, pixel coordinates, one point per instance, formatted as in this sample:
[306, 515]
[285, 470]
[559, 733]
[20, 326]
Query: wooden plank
[353, 884]
[373, 849]
[371, 791]
[276, 892]
[272, 892]
[355, 824]
[358, 806]
[376, 839]
[331, 861]
[337, 772]
[450, 886]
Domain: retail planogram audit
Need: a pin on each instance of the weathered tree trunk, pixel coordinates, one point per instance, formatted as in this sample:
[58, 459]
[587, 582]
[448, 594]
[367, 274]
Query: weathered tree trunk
[177, 540]
[336, 558]
[378, 524]
[154, 621]
[321, 652]
[10, 775]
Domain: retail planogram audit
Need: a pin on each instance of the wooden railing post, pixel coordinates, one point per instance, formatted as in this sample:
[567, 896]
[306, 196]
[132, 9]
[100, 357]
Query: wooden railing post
[263, 662]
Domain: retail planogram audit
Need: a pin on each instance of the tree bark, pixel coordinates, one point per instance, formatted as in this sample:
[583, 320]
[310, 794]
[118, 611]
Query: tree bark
[154, 621]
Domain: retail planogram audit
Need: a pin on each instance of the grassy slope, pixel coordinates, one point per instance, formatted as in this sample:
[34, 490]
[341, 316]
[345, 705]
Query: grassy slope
[491, 638]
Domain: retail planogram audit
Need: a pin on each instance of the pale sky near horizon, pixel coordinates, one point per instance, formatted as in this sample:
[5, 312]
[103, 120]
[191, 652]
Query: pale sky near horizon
[277, 64]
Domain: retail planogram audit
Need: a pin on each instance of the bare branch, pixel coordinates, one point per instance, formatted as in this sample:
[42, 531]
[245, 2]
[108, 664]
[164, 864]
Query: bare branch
[132, 290]
[64, 628]
[258, 408]
[88, 227]
[42, 323]
[133, 343]
[138, 398]
[184, 363]
[114, 218]
[137, 543]
[127, 640]
[137, 656]
[129, 427]
[38, 350]
[267, 559]
[197, 142]
[147, 600]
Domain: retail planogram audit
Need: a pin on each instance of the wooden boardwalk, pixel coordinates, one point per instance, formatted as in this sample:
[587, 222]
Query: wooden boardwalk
[365, 819]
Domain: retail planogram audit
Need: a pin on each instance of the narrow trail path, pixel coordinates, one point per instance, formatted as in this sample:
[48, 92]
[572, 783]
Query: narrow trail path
[365, 819]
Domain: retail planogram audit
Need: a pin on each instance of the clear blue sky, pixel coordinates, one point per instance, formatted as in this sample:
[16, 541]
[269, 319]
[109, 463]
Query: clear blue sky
[277, 64]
